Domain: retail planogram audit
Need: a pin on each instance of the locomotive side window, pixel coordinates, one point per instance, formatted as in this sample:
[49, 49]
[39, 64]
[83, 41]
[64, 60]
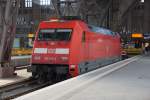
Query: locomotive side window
[100, 30]
[63, 34]
[83, 37]
[55, 34]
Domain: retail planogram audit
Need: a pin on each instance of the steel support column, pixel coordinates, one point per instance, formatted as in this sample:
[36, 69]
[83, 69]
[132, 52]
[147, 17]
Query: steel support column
[147, 16]
[7, 33]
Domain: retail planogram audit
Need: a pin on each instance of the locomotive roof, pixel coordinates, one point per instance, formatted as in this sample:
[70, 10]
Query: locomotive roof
[99, 29]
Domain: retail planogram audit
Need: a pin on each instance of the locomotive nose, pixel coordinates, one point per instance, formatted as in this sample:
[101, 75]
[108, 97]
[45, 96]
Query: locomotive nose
[51, 55]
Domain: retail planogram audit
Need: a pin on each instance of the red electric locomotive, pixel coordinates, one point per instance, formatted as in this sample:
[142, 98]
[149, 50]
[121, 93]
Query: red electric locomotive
[71, 47]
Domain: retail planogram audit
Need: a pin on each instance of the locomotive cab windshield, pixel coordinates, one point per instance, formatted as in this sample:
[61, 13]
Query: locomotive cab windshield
[54, 34]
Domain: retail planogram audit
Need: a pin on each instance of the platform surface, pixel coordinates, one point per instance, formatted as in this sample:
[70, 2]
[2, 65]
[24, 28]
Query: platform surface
[130, 81]
[21, 75]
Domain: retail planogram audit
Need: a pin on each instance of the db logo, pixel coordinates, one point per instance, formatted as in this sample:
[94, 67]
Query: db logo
[51, 50]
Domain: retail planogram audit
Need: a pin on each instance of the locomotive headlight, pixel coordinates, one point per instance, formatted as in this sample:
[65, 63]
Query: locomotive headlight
[72, 66]
[37, 57]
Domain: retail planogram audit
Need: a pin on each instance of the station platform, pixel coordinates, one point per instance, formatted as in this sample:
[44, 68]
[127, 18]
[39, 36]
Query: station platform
[21, 75]
[125, 80]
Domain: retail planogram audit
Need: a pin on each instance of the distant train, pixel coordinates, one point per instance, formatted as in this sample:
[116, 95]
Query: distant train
[21, 51]
[23, 44]
[68, 48]
[136, 45]
[19, 61]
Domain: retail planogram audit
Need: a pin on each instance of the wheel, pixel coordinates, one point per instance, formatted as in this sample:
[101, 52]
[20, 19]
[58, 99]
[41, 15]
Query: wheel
[42, 78]
[34, 75]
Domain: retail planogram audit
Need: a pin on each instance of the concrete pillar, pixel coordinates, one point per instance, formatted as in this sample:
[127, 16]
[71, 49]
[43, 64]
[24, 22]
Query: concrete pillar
[147, 16]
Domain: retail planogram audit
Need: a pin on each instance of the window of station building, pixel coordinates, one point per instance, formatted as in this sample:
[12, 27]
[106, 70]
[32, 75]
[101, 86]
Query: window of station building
[28, 3]
[45, 2]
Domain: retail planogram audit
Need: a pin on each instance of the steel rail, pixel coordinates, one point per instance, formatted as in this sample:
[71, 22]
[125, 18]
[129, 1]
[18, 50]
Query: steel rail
[18, 89]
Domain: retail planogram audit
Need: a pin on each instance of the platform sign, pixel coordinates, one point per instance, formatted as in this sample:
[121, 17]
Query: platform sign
[137, 35]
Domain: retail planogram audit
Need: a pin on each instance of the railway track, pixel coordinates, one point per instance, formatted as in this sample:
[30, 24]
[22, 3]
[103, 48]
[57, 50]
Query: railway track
[17, 89]
[14, 90]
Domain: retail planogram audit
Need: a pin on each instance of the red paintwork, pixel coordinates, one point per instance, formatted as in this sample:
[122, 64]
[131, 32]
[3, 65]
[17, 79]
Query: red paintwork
[96, 46]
